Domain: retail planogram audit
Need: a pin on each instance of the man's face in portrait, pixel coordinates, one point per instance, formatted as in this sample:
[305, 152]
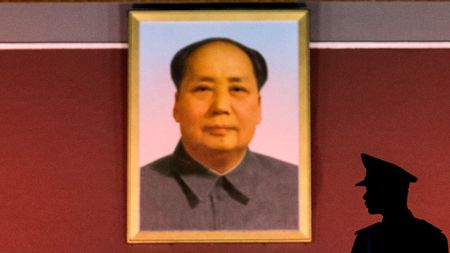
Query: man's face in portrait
[218, 102]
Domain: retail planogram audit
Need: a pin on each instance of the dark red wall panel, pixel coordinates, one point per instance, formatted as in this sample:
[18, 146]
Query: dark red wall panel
[63, 146]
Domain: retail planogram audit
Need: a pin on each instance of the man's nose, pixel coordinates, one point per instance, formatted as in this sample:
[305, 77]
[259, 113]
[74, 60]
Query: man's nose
[221, 103]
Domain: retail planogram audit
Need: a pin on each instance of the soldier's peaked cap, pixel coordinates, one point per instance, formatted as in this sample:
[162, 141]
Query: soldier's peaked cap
[383, 173]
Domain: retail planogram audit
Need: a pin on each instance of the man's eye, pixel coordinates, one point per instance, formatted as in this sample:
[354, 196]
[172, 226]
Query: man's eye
[238, 89]
[201, 89]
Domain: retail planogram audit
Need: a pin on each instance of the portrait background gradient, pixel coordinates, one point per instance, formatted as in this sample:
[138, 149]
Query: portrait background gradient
[277, 41]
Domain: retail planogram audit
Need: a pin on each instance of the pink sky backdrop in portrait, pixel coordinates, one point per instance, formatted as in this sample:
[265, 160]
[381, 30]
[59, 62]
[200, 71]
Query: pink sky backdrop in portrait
[277, 134]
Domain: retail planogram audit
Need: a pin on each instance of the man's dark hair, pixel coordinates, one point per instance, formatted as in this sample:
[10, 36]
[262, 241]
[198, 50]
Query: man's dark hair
[178, 65]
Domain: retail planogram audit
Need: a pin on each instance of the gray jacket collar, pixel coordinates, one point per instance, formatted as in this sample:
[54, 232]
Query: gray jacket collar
[197, 181]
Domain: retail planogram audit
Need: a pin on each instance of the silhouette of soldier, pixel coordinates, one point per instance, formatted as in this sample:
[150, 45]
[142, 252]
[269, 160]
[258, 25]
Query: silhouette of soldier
[399, 231]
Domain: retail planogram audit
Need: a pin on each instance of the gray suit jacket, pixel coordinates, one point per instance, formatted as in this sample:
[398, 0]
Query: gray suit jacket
[177, 193]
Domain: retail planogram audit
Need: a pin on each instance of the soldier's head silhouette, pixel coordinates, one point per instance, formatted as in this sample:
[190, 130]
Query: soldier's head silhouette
[386, 194]
[386, 186]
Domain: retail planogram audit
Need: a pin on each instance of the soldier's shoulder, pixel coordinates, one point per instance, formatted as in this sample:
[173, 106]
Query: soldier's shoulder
[431, 235]
[368, 229]
[427, 227]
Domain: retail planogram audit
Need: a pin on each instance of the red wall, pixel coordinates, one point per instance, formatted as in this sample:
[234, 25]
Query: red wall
[63, 146]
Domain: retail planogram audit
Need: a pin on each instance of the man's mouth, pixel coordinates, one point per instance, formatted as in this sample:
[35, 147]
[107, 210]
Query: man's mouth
[219, 130]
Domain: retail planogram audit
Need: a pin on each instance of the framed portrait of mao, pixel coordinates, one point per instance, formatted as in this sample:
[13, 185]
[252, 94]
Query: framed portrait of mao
[218, 126]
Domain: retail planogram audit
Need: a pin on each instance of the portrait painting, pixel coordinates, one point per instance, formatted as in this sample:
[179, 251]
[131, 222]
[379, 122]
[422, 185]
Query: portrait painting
[218, 126]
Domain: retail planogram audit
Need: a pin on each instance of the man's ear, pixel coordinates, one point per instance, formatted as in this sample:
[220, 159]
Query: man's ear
[175, 111]
[259, 109]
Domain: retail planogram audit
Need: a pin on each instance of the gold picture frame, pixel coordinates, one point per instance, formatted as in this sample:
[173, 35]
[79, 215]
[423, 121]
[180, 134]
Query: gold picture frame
[141, 20]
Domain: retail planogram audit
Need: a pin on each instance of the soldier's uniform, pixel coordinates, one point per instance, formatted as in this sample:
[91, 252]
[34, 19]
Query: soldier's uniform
[410, 235]
[401, 232]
